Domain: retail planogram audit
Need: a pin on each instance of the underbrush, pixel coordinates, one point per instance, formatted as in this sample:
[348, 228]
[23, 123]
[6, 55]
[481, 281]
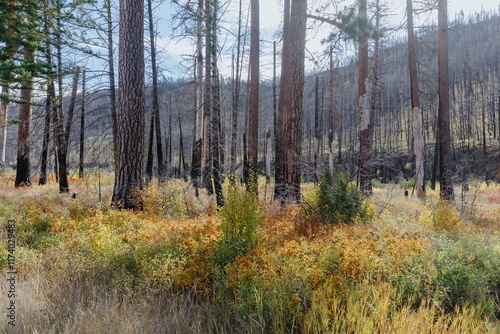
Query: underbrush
[83, 268]
[337, 200]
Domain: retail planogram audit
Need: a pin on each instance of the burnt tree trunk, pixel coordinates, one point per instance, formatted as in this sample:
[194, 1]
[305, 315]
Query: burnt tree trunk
[317, 141]
[170, 141]
[366, 127]
[182, 159]
[253, 126]
[46, 137]
[236, 98]
[4, 121]
[268, 154]
[418, 148]
[129, 176]
[23, 170]
[215, 113]
[71, 109]
[280, 143]
[290, 117]
[156, 103]
[207, 101]
[196, 163]
[445, 171]
[59, 112]
[112, 88]
[150, 157]
[275, 103]
[330, 116]
[82, 130]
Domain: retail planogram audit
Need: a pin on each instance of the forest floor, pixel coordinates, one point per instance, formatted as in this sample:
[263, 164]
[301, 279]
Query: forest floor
[180, 266]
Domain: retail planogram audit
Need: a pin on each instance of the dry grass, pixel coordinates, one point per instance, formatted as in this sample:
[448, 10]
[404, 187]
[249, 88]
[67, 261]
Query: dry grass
[81, 306]
[84, 268]
[479, 212]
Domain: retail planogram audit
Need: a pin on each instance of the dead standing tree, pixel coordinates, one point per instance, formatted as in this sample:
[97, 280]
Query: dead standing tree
[290, 114]
[445, 170]
[253, 129]
[155, 129]
[418, 148]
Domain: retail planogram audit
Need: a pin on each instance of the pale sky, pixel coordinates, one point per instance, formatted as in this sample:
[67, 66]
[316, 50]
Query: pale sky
[270, 10]
[270, 24]
[471, 6]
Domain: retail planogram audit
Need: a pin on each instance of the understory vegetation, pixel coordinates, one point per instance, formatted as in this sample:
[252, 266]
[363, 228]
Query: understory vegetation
[338, 263]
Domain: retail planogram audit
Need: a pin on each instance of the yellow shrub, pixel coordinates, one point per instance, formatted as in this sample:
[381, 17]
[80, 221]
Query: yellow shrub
[443, 216]
[164, 200]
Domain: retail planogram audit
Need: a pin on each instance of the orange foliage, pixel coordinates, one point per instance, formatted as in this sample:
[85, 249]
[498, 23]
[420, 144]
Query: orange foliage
[294, 259]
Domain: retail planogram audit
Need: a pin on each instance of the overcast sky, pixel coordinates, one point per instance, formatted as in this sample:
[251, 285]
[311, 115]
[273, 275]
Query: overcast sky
[270, 10]
[270, 24]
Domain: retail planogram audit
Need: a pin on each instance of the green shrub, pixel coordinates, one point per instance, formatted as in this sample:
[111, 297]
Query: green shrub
[468, 272]
[376, 183]
[252, 304]
[115, 259]
[36, 234]
[3, 258]
[240, 217]
[163, 262]
[5, 208]
[340, 201]
[407, 184]
[330, 260]
[416, 281]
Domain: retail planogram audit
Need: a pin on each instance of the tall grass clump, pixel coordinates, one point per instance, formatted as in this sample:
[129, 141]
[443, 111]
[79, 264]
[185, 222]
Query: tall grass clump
[240, 218]
[165, 200]
[235, 288]
[115, 260]
[443, 217]
[416, 280]
[468, 273]
[340, 201]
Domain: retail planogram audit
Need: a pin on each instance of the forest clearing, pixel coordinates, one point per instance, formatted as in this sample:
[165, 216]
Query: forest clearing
[202, 171]
[410, 265]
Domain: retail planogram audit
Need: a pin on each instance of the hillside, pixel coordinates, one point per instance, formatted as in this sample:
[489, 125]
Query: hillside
[475, 108]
